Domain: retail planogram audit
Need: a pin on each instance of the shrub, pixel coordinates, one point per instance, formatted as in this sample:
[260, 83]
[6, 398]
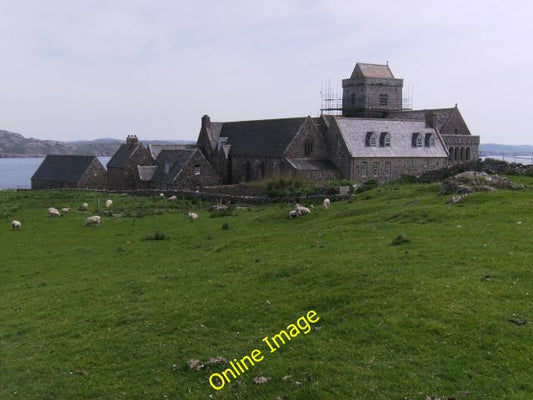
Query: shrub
[225, 226]
[155, 236]
[398, 240]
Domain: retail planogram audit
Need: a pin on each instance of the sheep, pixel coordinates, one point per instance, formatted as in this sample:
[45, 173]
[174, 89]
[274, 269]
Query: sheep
[84, 207]
[16, 225]
[65, 210]
[326, 203]
[162, 195]
[94, 220]
[53, 212]
[108, 203]
[293, 214]
[172, 198]
[302, 210]
[192, 216]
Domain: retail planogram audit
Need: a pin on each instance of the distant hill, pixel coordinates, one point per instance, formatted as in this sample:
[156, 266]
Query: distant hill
[487, 149]
[15, 145]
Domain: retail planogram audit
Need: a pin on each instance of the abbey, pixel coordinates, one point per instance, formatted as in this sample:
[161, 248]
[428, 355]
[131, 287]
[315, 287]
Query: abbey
[374, 137]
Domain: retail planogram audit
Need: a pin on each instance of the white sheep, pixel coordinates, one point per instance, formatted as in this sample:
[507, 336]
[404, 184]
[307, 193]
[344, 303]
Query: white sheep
[162, 195]
[65, 210]
[108, 203]
[326, 203]
[53, 212]
[293, 214]
[84, 207]
[16, 225]
[172, 198]
[192, 216]
[94, 220]
[302, 210]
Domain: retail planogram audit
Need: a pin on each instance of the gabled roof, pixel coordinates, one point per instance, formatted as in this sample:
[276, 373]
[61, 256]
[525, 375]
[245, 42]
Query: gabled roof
[58, 168]
[269, 137]
[155, 149]
[363, 70]
[443, 116]
[124, 152]
[355, 130]
[175, 159]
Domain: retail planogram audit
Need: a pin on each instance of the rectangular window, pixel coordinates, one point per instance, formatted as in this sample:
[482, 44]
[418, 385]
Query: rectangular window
[383, 99]
[388, 169]
[364, 169]
[375, 168]
[196, 170]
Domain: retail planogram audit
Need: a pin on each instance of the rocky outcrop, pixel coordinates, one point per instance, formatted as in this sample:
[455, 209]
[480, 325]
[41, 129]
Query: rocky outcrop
[474, 181]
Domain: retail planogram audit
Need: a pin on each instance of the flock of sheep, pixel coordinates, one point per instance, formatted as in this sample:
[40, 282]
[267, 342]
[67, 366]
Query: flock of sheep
[298, 211]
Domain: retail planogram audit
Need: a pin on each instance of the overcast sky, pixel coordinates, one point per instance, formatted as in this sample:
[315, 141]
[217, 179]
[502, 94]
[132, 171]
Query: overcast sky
[74, 69]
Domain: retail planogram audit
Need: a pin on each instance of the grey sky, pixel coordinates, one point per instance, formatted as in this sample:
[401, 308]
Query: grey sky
[74, 69]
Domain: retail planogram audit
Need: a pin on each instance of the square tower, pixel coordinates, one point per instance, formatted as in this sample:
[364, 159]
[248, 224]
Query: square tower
[371, 92]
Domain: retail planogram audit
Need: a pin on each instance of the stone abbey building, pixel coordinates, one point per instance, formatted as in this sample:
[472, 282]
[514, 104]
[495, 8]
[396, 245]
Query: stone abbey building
[374, 137]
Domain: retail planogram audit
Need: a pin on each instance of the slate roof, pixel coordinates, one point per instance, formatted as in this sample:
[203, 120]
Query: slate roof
[311, 164]
[59, 168]
[176, 160]
[146, 173]
[124, 152]
[363, 70]
[155, 149]
[354, 132]
[260, 138]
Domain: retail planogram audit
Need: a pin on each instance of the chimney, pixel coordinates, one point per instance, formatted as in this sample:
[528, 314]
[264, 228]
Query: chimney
[431, 120]
[132, 139]
[206, 121]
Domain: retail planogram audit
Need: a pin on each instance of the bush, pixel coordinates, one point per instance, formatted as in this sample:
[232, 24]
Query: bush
[155, 236]
[225, 226]
[398, 240]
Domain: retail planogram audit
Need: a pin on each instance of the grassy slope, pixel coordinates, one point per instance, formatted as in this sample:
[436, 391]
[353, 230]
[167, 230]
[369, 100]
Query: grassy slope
[97, 313]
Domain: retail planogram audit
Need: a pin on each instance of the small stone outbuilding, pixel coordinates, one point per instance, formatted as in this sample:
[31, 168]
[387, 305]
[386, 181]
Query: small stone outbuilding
[62, 171]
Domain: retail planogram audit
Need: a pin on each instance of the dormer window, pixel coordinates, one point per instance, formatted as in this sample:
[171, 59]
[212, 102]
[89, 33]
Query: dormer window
[429, 140]
[370, 140]
[416, 140]
[384, 139]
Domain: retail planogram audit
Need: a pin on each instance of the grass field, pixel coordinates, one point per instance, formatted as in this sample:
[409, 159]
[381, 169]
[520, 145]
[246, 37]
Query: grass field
[107, 313]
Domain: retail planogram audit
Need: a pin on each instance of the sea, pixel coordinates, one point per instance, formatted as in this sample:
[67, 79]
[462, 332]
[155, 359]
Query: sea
[16, 173]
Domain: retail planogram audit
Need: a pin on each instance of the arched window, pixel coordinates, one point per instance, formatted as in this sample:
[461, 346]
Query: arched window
[468, 155]
[262, 169]
[384, 139]
[462, 153]
[247, 171]
[370, 139]
[456, 154]
[450, 155]
[308, 148]
[416, 140]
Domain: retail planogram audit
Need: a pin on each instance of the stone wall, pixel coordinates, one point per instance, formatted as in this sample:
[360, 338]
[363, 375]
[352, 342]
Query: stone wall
[398, 167]
[95, 176]
[461, 148]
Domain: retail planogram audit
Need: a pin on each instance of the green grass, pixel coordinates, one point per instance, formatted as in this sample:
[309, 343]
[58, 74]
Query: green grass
[100, 313]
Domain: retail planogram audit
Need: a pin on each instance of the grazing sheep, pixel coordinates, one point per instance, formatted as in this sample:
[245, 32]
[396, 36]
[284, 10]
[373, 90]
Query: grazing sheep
[65, 210]
[293, 214]
[16, 225]
[192, 216]
[94, 220]
[326, 203]
[302, 210]
[84, 207]
[172, 198]
[108, 203]
[53, 212]
[162, 195]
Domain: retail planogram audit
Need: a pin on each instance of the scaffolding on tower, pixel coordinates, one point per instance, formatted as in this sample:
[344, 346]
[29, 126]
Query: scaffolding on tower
[330, 100]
